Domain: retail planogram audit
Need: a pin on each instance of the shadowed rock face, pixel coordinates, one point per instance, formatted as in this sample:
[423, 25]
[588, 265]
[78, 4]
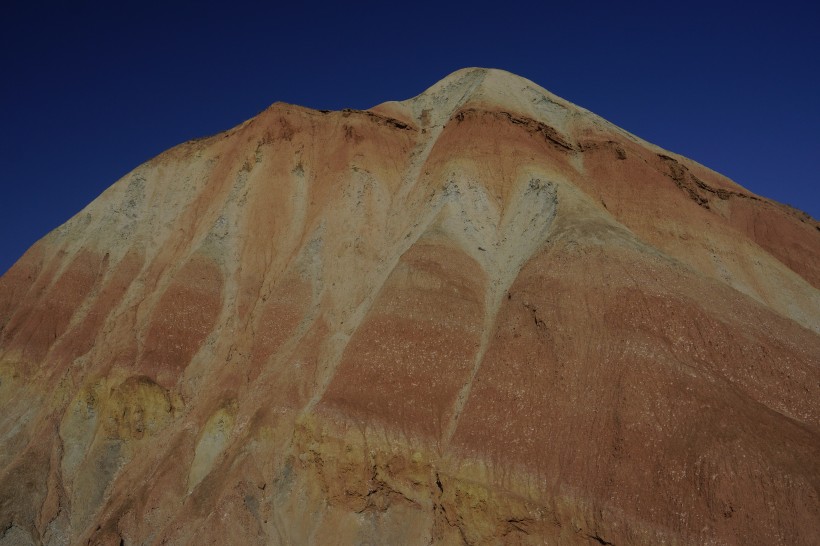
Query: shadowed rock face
[479, 316]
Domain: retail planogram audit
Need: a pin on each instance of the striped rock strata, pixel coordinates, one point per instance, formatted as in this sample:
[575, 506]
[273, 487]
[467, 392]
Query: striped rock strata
[479, 316]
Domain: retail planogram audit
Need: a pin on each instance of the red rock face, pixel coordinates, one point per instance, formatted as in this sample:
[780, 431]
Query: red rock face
[405, 365]
[184, 316]
[479, 316]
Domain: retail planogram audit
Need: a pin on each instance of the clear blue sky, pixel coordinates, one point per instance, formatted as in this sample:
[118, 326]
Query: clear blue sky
[91, 91]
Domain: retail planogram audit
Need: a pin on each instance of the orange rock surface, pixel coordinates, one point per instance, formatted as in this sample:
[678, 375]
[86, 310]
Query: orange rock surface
[483, 315]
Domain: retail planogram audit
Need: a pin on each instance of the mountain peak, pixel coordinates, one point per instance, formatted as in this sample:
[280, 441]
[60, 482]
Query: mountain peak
[403, 325]
[486, 88]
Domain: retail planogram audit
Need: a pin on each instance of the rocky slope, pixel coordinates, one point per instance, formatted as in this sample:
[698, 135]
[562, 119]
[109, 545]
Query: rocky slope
[479, 316]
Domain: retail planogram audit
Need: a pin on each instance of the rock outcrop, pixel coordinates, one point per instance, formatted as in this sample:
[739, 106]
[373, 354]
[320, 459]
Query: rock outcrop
[479, 316]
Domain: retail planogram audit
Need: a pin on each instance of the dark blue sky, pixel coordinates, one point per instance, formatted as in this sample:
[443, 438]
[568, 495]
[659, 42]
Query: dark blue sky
[91, 91]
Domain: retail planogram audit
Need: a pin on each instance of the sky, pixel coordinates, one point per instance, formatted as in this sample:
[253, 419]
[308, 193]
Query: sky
[88, 91]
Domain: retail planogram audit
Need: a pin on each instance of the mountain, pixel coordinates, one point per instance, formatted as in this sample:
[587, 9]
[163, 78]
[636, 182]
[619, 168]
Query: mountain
[483, 315]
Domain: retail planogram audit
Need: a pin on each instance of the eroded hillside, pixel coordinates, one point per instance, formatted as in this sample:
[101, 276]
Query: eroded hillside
[479, 316]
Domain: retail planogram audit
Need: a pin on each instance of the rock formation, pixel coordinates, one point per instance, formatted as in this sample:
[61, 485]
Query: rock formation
[483, 315]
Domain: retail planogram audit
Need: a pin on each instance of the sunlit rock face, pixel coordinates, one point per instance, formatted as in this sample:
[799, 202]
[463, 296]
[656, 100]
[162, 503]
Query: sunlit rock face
[479, 316]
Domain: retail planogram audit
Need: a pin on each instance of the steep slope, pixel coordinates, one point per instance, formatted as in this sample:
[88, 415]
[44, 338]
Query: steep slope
[482, 315]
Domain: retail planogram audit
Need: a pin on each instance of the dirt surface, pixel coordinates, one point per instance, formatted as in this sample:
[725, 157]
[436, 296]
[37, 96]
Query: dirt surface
[479, 316]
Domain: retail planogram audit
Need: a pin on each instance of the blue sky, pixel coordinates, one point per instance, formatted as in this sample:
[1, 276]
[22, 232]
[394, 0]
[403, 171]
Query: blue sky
[90, 91]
